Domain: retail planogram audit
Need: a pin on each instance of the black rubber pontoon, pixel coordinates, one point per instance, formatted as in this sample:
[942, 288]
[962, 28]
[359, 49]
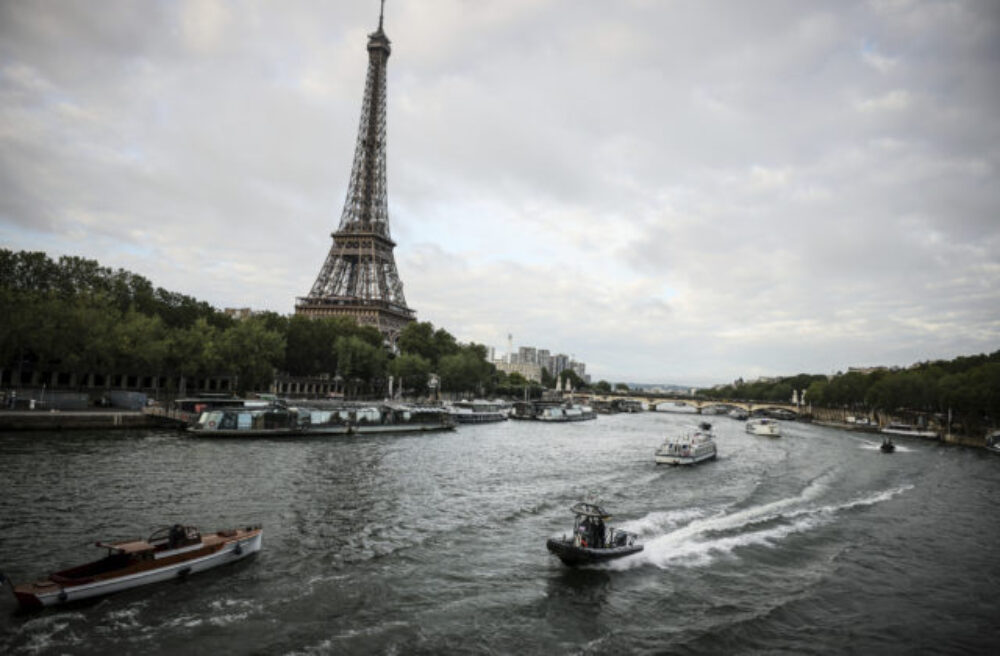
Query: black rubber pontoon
[591, 542]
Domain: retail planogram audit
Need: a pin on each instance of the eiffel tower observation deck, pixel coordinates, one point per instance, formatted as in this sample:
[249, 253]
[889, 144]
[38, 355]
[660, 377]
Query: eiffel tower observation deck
[359, 277]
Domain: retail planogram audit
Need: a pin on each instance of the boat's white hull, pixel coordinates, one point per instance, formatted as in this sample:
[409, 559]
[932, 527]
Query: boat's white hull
[765, 430]
[911, 433]
[565, 418]
[669, 459]
[231, 552]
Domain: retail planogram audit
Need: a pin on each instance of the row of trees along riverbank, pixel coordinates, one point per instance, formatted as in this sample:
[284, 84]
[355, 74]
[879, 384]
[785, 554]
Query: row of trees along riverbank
[968, 387]
[72, 315]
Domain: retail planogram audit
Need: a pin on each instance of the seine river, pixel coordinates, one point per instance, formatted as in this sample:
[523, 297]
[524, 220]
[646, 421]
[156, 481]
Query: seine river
[435, 544]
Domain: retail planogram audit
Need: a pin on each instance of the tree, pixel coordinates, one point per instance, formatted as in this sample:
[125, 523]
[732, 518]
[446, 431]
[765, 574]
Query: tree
[514, 379]
[816, 392]
[602, 386]
[311, 344]
[192, 351]
[252, 352]
[412, 371]
[417, 338]
[465, 370]
[139, 343]
[359, 363]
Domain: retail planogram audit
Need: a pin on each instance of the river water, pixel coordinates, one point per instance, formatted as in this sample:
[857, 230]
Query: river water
[815, 542]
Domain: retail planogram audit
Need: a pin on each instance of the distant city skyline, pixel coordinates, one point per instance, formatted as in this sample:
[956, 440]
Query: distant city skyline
[690, 192]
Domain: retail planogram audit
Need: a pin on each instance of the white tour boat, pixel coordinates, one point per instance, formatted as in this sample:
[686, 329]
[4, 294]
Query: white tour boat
[697, 446]
[763, 426]
[896, 428]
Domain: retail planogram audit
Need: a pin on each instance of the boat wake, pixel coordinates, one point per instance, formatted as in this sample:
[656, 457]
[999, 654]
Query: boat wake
[708, 535]
[875, 446]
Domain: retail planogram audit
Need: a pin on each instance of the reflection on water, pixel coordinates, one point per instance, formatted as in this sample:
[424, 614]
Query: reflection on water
[436, 543]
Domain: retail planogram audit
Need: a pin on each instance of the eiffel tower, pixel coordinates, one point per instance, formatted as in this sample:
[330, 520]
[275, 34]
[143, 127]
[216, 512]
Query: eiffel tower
[359, 277]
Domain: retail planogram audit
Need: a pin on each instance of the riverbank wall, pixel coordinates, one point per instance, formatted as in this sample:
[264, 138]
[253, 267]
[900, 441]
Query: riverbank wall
[869, 423]
[54, 420]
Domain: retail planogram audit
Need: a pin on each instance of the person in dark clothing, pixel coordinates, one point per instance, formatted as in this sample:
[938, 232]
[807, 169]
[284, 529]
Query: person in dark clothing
[177, 535]
[599, 531]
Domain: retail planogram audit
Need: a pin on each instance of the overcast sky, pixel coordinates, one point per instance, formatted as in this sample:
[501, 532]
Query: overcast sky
[676, 192]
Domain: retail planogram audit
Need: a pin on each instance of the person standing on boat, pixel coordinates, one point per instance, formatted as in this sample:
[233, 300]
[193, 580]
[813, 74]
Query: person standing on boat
[599, 528]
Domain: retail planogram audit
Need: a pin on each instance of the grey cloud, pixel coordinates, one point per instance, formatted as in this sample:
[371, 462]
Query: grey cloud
[678, 191]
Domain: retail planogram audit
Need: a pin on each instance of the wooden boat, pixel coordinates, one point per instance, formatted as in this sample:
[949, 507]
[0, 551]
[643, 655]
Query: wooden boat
[592, 542]
[170, 552]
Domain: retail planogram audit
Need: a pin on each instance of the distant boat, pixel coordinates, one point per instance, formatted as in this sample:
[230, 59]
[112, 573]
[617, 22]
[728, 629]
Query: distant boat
[169, 553]
[567, 413]
[626, 405]
[189, 409]
[887, 445]
[269, 421]
[763, 426]
[690, 449]
[993, 441]
[896, 428]
[401, 419]
[281, 421]
[739, 414]
[479, 411]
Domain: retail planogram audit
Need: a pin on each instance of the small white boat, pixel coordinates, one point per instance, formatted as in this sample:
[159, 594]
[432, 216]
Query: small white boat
[694, 447]
[739, 414]
[763, 426]
[896, 428]
[169, 553]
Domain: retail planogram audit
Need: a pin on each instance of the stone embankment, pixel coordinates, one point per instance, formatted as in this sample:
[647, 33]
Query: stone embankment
[53, 420]
[869, 422]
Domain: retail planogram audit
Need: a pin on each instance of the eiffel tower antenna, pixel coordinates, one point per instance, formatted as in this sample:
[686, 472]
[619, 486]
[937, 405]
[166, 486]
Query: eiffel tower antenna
[359, 277]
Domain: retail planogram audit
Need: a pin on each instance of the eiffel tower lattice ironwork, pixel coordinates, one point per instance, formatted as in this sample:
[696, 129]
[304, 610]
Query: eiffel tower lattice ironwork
[359, 276]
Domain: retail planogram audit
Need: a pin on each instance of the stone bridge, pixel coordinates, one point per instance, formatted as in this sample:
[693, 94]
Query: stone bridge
[654, 401]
